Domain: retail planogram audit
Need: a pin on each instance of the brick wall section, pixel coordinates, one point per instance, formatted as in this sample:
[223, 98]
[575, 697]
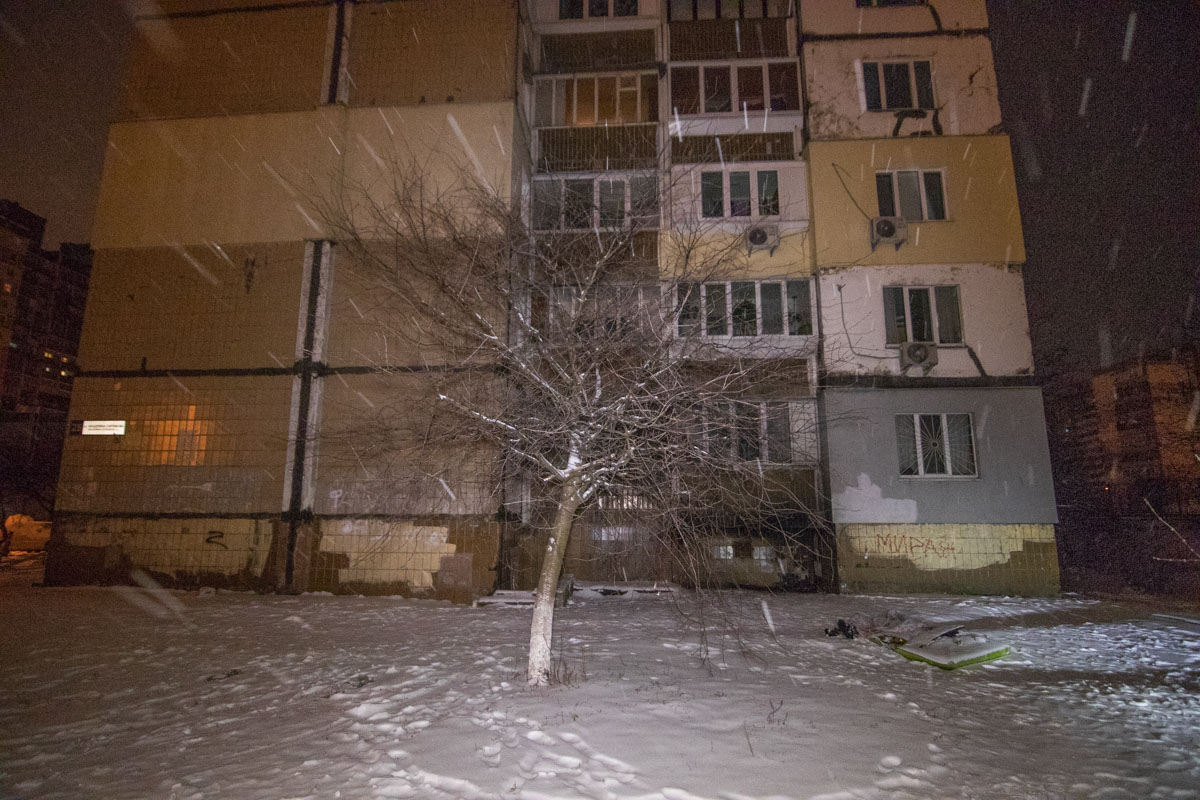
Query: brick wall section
[957, 559]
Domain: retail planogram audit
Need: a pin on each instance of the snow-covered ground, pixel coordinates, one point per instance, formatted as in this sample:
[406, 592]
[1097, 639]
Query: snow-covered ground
[132, 693]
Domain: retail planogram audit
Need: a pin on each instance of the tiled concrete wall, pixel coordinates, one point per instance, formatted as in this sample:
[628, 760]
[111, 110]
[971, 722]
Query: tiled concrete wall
[239, 305]
[968, 559]
[384, 449]
[192, 444]
[231, 552]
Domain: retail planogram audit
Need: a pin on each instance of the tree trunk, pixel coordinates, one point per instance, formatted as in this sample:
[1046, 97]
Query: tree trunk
[542, 628]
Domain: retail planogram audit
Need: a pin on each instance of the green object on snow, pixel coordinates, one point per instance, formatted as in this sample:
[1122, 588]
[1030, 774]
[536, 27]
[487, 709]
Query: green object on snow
[954, 650]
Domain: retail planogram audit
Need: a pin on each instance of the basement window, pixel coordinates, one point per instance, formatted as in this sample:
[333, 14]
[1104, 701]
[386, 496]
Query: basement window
[896, 85]
[936, 445]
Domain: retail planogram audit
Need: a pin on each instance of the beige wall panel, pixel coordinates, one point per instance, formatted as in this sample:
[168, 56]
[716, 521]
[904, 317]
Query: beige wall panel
[192, 444]
[432, 51]
[223, 179]
[991, 302]
[193, 307]
[983, 221]
[842, 16]
[446, 143]
[263, 177]
[382, 450]
[964, 86]
[233, 63]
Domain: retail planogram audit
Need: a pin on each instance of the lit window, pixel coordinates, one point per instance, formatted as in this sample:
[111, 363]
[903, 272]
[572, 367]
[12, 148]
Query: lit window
[722, 551]
[596, 100]
[935, 445]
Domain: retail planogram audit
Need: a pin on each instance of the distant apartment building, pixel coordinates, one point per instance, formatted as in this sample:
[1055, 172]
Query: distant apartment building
[41, 315]
[851, 148]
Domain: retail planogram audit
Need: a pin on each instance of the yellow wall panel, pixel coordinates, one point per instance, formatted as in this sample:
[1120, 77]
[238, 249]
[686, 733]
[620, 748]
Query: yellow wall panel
[983, 221]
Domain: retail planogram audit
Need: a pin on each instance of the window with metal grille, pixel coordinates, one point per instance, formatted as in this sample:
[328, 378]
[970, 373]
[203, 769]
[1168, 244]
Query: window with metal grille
[936, 445]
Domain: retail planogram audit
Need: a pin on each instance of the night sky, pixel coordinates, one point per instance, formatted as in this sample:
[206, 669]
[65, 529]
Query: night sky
[1109, 184]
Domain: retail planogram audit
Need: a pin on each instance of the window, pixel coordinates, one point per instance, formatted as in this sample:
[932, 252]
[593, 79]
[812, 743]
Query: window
[596, 100]
[587, 203]
[922, 314]
[744, 88]
[935, 444]
[613, 311]
[745, 308]
[573, 9]
[684, 10]
[917, 195]
[762, 202]
[751, 430]
[893, 85]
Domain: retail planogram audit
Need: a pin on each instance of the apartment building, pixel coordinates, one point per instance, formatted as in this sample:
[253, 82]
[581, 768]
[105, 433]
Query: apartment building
[848, 151]
[41, 312]
[938, 462]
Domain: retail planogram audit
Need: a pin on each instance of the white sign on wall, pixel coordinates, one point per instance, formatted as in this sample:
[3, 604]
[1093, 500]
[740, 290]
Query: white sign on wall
[103, 427]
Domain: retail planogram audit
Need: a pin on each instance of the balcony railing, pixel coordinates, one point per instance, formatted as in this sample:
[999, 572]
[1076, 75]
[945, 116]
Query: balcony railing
[597, 148]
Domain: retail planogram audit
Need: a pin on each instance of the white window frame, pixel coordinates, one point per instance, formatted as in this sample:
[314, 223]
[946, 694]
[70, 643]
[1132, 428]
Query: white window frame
[722, 430]
[779, 7]
[702, 322]
[913, 91]
[611, 11]
[735, 97]
[921, 173]
[562, 85]
[727, 197]
[649, 221]
[918, 446]
[933, 310]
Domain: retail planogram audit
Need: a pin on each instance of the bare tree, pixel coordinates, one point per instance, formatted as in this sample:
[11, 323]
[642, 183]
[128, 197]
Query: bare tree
[573, 359]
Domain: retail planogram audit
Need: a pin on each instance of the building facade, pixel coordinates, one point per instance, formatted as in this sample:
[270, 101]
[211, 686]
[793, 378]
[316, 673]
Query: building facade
[851, 150]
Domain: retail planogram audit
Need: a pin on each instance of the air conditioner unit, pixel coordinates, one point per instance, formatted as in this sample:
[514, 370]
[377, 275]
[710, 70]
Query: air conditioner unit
[918, 354]
[762, 237]
[888, 230]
